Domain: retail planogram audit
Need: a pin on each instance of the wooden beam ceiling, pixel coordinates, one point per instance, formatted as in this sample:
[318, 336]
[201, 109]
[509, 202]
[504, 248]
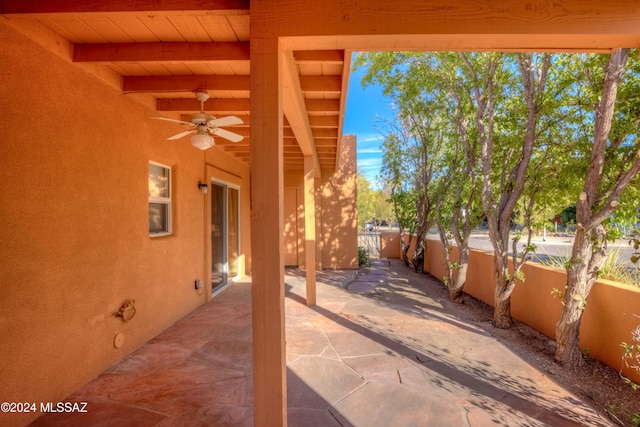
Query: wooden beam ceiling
[163, 52]
[295, 110]
[213, 104]
[188, 83]
[57, 7]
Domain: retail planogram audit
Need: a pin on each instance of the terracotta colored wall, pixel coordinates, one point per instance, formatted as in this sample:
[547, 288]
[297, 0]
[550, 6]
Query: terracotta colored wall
[74, 225]
[608, 319]
[390, 245]
[337, 239]
[293, 226]
[339, 233]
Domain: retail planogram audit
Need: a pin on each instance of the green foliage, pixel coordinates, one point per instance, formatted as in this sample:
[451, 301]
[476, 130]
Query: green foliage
[635, 242]
[613, 269]
[558, 294]
[619, 410]
[363, 257]
[568, 214]
[631, 356]
[372, 203]
[404, 205]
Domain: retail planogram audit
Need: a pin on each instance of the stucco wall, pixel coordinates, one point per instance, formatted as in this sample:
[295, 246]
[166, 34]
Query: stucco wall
[336, 213]
[74, 225]
[339, 233]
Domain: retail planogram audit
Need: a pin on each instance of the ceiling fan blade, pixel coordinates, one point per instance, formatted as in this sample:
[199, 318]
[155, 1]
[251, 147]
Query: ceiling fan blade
[225, 121]
[173, 120]
[181, 134]
[233, 137]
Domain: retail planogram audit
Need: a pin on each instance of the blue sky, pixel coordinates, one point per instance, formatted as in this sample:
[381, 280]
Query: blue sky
[365, 112]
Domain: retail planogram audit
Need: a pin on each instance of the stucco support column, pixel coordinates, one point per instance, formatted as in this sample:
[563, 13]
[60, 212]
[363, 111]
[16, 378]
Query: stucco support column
[267, 231]
[310, 228]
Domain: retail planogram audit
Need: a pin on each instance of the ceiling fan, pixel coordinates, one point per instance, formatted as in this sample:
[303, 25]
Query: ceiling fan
[205, 126]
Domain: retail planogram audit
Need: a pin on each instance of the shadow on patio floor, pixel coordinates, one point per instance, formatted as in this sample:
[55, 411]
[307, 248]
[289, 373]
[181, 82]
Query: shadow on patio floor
[379, 350]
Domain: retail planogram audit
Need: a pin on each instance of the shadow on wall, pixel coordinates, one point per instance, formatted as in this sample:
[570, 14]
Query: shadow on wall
[339, 210]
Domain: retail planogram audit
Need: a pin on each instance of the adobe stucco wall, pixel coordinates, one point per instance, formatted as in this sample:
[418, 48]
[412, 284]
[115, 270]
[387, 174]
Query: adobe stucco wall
[74, 225]
[336, 213]
[339, 232]
[609, 319]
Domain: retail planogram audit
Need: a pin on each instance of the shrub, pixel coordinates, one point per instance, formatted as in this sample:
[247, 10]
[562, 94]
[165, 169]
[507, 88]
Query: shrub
[363, 257]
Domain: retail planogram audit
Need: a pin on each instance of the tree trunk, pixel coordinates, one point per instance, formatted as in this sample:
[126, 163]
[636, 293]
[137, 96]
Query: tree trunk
[587, 258]
[590, 244]
[502, 313]
[502, 295]
[455, 290]
[404, 246]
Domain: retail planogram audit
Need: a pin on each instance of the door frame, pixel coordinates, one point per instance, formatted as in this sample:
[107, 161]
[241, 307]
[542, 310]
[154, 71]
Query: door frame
[219, 177]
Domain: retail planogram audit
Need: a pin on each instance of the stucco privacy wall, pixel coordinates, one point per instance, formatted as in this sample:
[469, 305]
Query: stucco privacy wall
[609, 319]
[74, 225]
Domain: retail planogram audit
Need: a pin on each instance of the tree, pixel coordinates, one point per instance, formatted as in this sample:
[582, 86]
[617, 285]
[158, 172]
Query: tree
[367, 200]
[458, 204]
[501, 191]
[413, 144]
[614, 163]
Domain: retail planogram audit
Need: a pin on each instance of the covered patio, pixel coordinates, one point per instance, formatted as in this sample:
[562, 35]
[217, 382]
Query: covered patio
[379, 350]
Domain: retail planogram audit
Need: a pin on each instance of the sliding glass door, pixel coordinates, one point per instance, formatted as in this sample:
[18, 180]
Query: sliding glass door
[225, 234]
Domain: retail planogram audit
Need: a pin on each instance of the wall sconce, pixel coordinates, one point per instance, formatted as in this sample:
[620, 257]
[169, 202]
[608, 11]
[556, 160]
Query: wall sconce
[203, 187]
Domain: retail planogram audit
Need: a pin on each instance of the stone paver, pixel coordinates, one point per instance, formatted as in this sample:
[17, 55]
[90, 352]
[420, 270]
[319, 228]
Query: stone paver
[379, 349]
[419, 365]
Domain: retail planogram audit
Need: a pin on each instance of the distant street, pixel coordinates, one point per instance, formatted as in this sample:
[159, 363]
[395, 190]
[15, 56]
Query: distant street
[550, 247]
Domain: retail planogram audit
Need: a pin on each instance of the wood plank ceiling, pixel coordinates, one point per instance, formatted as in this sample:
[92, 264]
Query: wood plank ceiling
[169, 49]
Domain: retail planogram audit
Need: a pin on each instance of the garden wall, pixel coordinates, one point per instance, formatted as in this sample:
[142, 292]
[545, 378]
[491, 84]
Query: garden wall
[609, 319]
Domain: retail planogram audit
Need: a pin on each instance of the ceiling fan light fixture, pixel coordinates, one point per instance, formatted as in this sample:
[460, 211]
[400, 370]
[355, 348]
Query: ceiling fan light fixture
[202, 141]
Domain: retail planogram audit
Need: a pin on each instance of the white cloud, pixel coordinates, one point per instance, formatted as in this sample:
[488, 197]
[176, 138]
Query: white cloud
[370, 163]
[374, 150]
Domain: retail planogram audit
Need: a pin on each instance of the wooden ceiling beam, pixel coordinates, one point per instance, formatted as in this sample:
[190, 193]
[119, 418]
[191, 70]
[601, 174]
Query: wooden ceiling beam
[322, 105]
[293, 105]
[246, 119]
[212, 105]
[323, 121]
[325, 133]
[170, 51]
[319, 56]
[346, 72]
[30, 7]
[331, 84]
[327, 143]
[188, 83]
[505, 25]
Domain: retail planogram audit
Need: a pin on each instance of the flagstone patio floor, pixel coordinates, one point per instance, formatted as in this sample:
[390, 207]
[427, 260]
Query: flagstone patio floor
[379, 349]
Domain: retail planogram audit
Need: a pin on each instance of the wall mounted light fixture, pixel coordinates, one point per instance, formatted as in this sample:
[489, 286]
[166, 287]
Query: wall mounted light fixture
[203, 187]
